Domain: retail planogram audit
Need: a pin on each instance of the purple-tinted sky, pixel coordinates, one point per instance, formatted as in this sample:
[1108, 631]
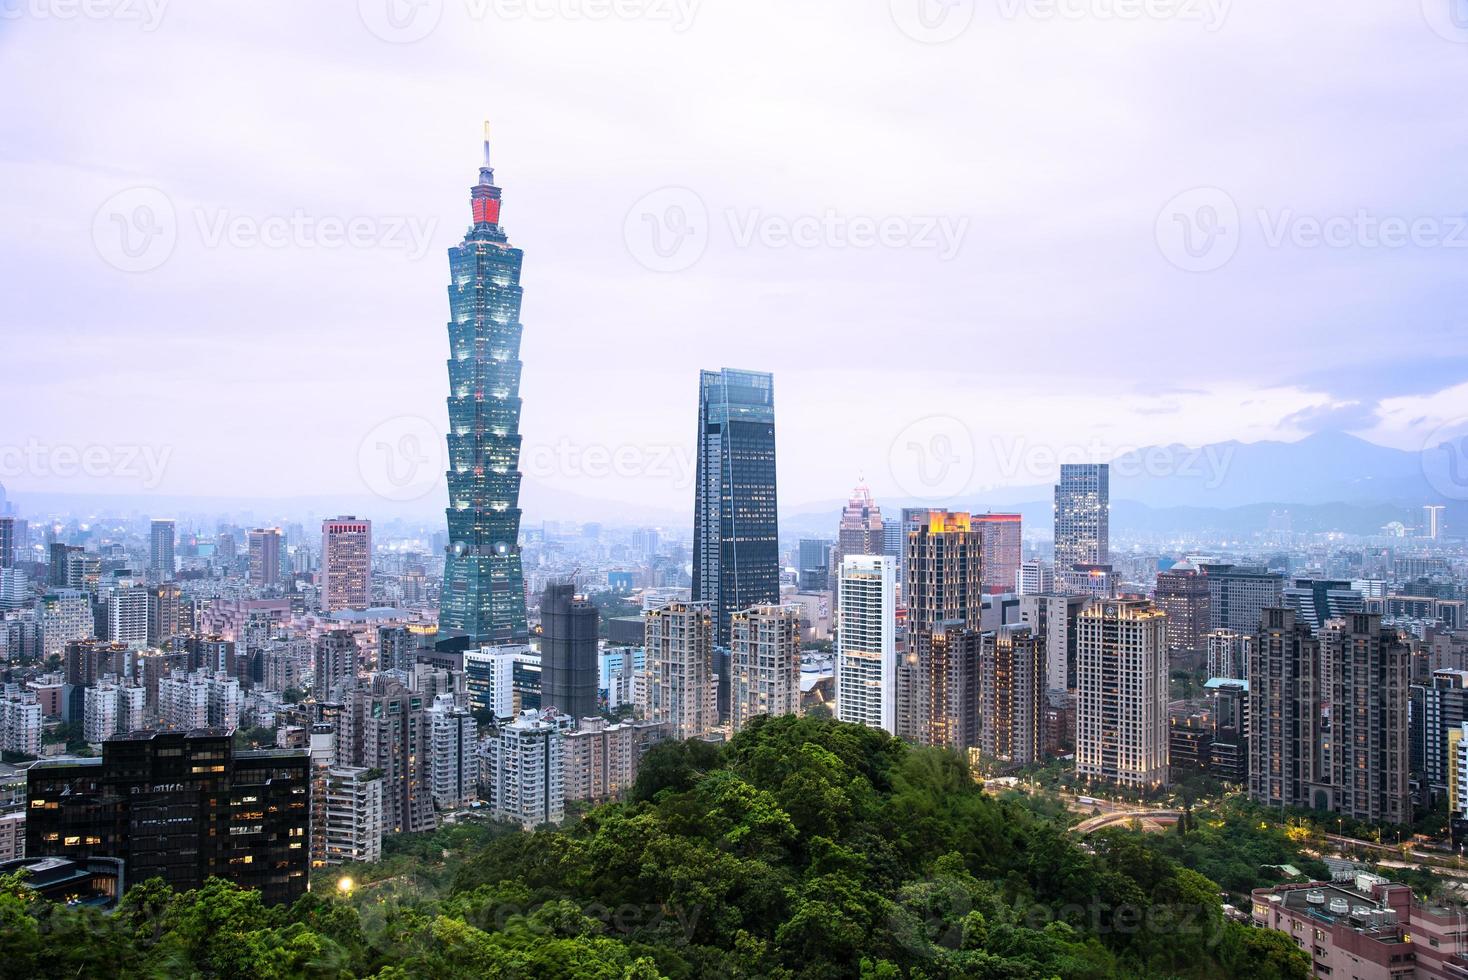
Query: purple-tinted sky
[997, 230]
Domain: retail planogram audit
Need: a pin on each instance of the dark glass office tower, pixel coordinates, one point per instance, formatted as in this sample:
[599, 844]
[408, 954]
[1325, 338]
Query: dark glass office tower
[568, 665]
[483, 598]
[736, 561]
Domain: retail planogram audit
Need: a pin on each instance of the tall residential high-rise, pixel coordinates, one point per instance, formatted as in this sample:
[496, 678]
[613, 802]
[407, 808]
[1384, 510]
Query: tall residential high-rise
[1182, 593]
[1438, 707]
[453, 754]
[866, 642]
[346, 564]
[736, 559]
[165, 613]
[1285, 752]
[764, 663]
[336, 658]
[1121, 697]
[1228, 653]
[522, 771]
[265, 549]
[1003, 550]
[568, 646]
[680, 685]
[1368, 669]
[346, 805]
[483, 593]
[937, 679]
[1012, 695]
[944, 573]
[1053, 618]
[127, 615]
[860, 531]
[162, 535]
[938, 687]
[384, 726]
[1083, 515]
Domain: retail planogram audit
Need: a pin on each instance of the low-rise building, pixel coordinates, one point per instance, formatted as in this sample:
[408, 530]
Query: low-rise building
[1367, 928]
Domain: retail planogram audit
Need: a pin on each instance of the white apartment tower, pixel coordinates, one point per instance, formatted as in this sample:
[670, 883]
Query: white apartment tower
[1121, 706]
[522, 771]
[680, 648]
[866, 642]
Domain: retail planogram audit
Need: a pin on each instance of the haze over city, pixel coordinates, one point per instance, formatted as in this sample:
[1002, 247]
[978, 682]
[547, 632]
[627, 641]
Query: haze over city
[1024, 167]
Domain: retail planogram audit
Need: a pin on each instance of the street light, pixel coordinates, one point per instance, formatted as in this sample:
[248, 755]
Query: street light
[345, 884]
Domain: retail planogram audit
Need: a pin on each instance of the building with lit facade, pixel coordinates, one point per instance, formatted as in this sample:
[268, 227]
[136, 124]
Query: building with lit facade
[1012, 695]
[1082, 515]
[346, 564]
[181, 806]
[483, 593]
[1003, 550]
[680, 685]
[1122, 693]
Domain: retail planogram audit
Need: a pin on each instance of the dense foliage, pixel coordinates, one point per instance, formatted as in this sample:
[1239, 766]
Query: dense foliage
[802, 849]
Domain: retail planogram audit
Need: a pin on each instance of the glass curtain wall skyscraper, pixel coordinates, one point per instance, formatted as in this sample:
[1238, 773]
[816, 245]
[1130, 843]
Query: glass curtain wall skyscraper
[1082, 515]
[736, 560]
[483, 597]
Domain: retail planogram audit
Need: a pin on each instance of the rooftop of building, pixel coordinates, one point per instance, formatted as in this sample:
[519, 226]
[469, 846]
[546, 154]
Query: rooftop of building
[1351, 904]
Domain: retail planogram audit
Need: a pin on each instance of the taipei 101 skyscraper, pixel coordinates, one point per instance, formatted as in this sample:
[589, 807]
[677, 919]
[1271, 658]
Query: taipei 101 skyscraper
[483, 597]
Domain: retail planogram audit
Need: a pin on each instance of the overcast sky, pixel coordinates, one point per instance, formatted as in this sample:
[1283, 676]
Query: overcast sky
[963, 237]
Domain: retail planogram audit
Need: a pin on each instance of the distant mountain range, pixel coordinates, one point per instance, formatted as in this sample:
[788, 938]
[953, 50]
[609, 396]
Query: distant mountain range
[1327, 481]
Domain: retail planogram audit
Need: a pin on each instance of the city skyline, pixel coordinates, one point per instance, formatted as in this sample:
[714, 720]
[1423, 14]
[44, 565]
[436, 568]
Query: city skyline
[1100, 207]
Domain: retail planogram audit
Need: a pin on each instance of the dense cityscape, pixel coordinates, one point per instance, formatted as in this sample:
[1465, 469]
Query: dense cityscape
[1137, 711]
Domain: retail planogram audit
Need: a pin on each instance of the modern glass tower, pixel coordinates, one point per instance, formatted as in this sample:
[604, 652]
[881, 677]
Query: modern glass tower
[736, 561]
[483, 598]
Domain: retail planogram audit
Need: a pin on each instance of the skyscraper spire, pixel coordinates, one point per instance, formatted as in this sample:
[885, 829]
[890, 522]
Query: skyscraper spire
[485, 196]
